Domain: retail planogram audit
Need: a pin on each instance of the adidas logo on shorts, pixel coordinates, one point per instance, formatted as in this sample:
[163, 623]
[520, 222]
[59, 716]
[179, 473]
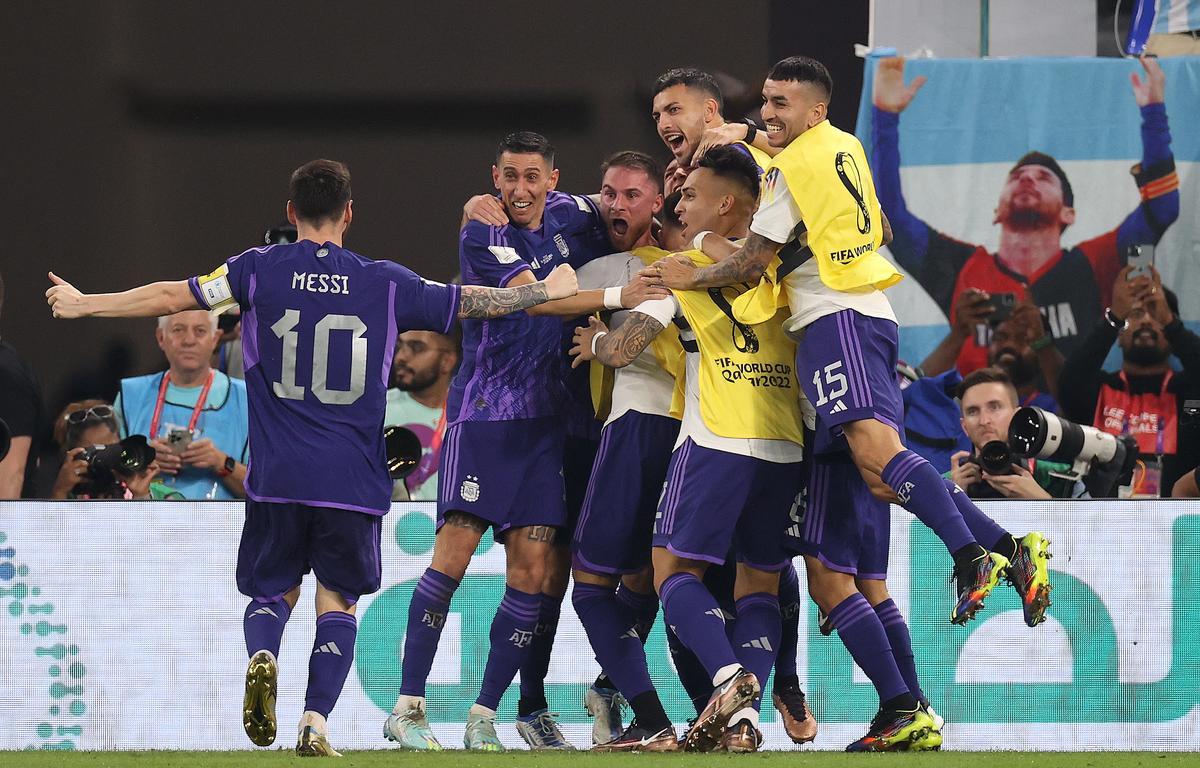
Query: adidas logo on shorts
[838, 407]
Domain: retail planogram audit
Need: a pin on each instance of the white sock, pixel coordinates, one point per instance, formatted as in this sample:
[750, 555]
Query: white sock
[747, 713]
[405, 703]
[724, 673]
[315, 719]
[479, 709]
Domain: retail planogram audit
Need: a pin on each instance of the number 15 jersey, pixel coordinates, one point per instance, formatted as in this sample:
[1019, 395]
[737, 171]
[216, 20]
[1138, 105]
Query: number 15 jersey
[319, 328]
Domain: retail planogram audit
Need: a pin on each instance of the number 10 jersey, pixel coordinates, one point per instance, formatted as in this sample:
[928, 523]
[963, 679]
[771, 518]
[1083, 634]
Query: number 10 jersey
[319, 328]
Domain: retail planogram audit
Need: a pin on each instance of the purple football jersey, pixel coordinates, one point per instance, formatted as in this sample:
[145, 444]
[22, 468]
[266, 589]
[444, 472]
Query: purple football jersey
[319, 328]
[512, 366]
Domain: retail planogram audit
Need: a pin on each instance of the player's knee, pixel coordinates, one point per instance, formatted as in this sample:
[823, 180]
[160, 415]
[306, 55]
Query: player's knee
[875, 590]
[641, 582]
[872, 444]
[526, 574]
[827, 587]
[752, 581]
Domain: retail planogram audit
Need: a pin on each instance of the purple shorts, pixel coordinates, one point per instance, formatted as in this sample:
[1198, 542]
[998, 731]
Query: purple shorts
[842, 524]
[282, 542]
[579, 453]
[617, 521]
[846, 363]
[714, 499]
[508, 473]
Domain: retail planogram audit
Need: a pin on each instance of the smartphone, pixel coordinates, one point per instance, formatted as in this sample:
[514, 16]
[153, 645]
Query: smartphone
[179, 440]
[1004, 304]
[1140, 257]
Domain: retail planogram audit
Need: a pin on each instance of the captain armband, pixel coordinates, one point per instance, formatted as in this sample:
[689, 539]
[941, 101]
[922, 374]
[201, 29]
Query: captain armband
[1156, 179]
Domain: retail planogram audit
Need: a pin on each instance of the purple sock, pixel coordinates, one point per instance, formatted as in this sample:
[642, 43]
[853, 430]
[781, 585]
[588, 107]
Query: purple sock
[263, 625]
[510, 636]
[695, 616]
[537, 662]
[333, 651]
[696, 681]
[643, 607]
[612, 632]
[985, 530]
[789, 612]
[901, 642]
[864, 637]
[756, 633]
[922, 491]
[426, 617]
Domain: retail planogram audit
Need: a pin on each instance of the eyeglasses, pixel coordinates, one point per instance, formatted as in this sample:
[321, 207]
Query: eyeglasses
[95, 413]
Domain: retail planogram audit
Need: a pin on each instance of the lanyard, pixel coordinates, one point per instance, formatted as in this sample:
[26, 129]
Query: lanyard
[162, 396]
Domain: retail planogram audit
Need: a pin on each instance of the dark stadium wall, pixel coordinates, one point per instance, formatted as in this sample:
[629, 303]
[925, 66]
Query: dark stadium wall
[150, 140]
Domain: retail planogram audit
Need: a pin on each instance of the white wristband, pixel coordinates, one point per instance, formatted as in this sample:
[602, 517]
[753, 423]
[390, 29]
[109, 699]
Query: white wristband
[595, 339]
[698, 240]
[612, 298]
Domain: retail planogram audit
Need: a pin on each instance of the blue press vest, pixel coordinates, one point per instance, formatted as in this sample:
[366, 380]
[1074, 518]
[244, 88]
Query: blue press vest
[225, 420]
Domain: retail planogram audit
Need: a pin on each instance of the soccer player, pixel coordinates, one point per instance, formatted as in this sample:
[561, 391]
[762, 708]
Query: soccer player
[686, 109]
[502, 457]
[844, 536]
[733, 476]
[320, 323]
[834, 280]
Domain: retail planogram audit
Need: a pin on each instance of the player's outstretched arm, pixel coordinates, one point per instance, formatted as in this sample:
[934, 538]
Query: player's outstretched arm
[746, 265]
[480, 302]
[153, 300]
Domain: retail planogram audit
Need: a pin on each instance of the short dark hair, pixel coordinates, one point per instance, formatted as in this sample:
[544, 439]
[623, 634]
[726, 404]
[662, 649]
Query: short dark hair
[987, 376]
[526, 143]
[668, 214]
[692, 78]
[735, 164]
[1046, 161]
[635, 161]
[803, 69]
[320, 190]
[2, 286]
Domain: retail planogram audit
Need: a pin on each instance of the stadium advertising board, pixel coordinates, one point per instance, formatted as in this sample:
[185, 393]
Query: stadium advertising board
[120, 628]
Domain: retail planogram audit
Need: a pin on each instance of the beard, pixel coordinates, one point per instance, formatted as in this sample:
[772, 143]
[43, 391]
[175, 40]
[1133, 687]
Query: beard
[420, 380]
[1022, 369]
[1145, 355]
[1029, 218]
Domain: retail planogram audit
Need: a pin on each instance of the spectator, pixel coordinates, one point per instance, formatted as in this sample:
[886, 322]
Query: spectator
[1020, 344]
[91, 423]
[932, 418]
[989, 401]
[22, 411]
[1176, 29]
[195, 416]
[1145, 398]
[421, 371]
[1069, 286]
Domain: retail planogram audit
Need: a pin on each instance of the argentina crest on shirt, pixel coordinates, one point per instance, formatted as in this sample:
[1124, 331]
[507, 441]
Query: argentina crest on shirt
[561, 242]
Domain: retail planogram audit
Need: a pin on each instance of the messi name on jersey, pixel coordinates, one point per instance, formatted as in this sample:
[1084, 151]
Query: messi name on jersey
[320, 282]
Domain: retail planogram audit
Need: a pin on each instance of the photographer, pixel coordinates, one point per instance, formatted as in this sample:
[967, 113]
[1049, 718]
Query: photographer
[989, 400]
[1145, 398]
[196, 417]
[82, 427]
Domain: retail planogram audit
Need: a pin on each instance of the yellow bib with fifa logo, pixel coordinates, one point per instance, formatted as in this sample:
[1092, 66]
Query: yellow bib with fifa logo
[748, 386]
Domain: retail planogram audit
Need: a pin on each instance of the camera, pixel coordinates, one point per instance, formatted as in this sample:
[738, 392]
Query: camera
[994, 458]
[1103, 461]
[1004, 304]
[403, 450]
[107, 463]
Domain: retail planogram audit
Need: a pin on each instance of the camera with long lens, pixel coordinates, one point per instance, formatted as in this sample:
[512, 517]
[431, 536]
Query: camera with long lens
[1104, 462]
[107, 465]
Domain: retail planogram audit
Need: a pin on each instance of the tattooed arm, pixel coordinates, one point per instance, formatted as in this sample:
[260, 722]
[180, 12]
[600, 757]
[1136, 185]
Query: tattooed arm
[618, 348]
[746, 265]
[480, 303]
